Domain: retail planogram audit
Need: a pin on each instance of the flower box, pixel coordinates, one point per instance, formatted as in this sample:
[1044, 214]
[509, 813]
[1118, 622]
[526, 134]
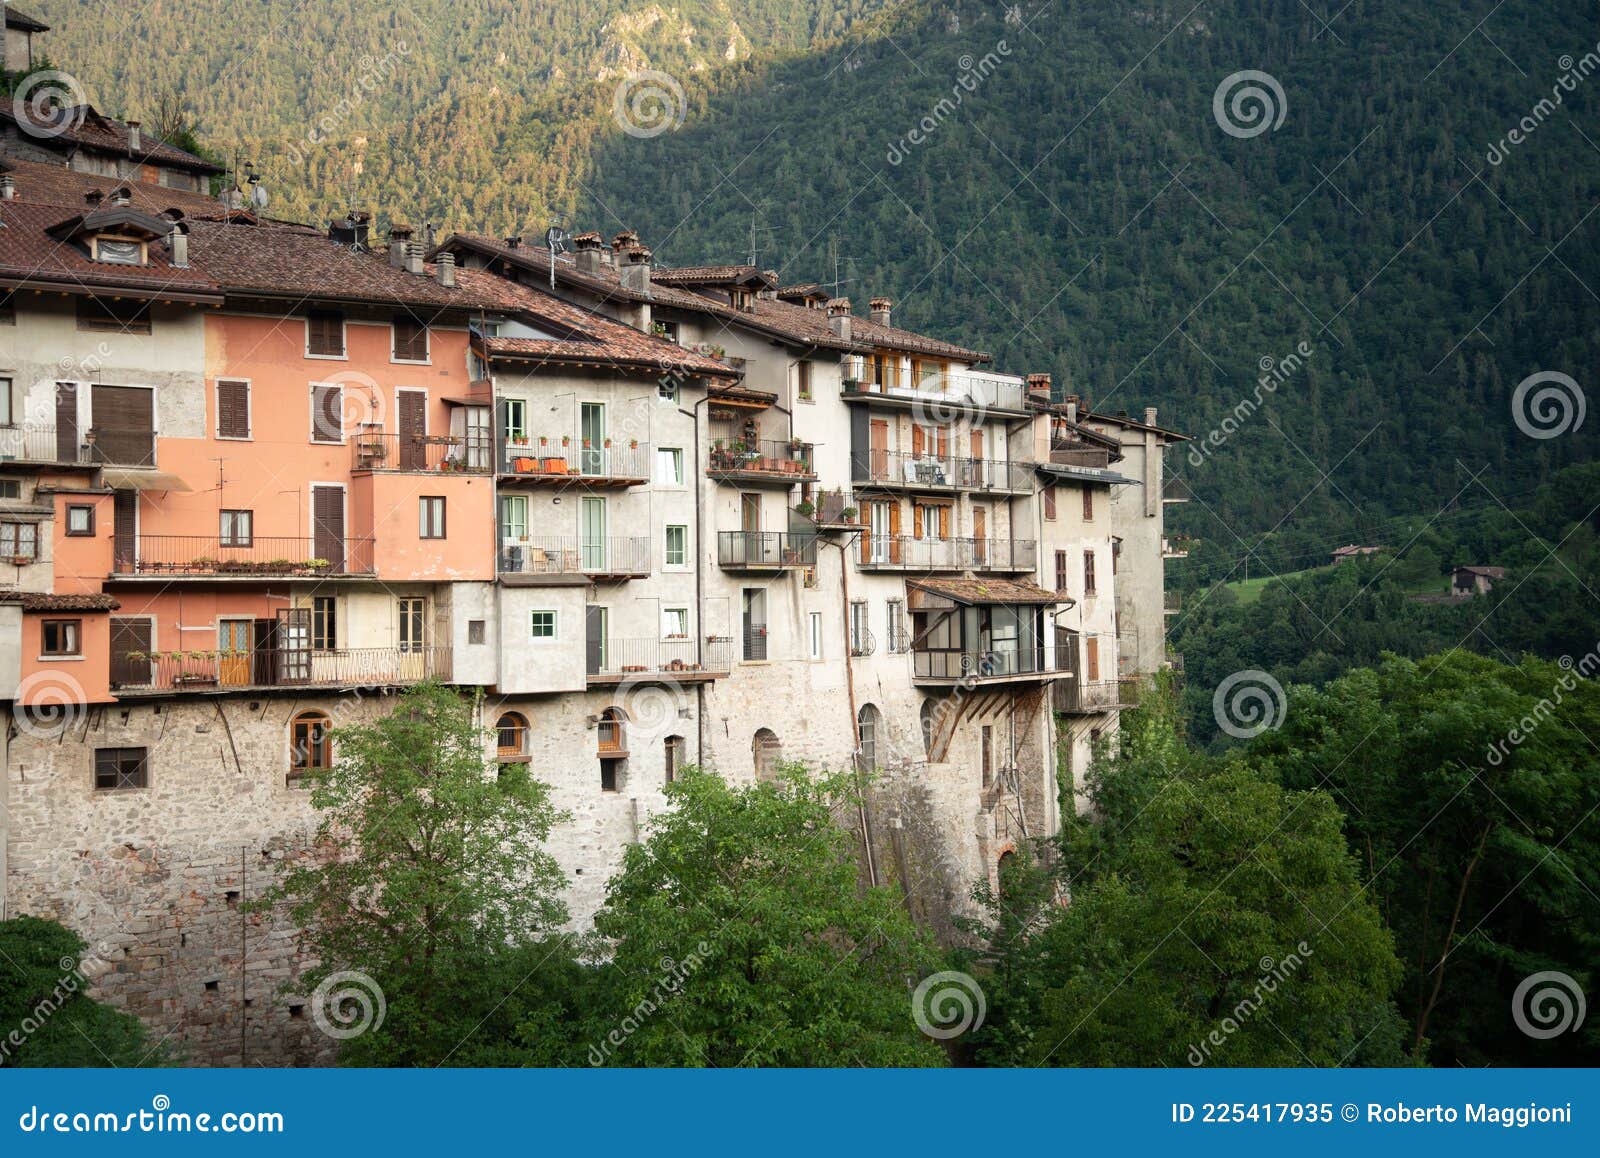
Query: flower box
[554, 465]
[523, 465]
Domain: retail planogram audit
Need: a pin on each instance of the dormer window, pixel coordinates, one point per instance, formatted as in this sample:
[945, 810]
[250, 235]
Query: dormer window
[119, 250]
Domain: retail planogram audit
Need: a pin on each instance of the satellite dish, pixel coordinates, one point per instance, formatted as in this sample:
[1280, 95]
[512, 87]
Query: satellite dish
[258, 197]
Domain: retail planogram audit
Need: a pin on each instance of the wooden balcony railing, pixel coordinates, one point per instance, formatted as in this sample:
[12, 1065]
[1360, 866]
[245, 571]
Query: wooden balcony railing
[430, 453]
[201, 556]
[1074, 454]
[200, 671]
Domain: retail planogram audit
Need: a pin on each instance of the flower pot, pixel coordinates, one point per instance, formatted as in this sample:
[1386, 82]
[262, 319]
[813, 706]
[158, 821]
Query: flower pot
[553, 465]
[523, 465]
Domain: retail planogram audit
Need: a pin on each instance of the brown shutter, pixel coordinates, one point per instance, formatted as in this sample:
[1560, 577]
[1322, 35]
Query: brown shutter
[233, 409]
[123, 421]
[916, 519]
[1088, 504]
[919, 441]
[894, 532]
[942, 441]
[1092, 658]
[410, 340]
[944, 522]
[1088, 572]
[865, 514]
[1061, 571]
[124, 523]
[67, 422]
[325, 333]
[327, 413]
[413, 423]
[129, 635]
[975, 442]
[1050, 502]
[327, 518]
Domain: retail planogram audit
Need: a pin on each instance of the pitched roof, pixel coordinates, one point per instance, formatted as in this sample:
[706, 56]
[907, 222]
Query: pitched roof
[987, 590]
[1131, 424]
[55, 183]
[44, 601]
[1486, 572]
[87, 128]
[30, 255]
[19, 19]
[714, 275]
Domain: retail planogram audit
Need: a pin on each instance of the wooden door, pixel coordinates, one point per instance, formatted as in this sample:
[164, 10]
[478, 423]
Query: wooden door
[878, 463]
[413, 426]
[293, 635]
[125, 530]
[980, 535]
[233, 642]
[594, 637]
[327, 525]
[1091, 659]
[130, 638]
[67, 422]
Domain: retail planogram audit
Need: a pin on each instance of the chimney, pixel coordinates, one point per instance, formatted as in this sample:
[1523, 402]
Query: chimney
[1039, 389]
[1149, 415]
[635, 271]
[135, 139]
[414, 257]
[839, 317]
[621, 243]
[880, 311]
[93, 198]
[8, 188]
[514, 241]
[178, 245]
[1072, 403]
[587, 252]
[445, 268]
[399, 238]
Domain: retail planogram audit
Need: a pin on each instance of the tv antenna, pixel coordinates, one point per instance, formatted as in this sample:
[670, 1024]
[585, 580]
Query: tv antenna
[833, 260]
[555, 240]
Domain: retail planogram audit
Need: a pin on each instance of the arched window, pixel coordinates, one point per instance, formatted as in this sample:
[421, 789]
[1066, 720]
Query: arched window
[613, 747]
[676, 752]
[309, 749]
[511, 736]
[766, 752]
[868, 720]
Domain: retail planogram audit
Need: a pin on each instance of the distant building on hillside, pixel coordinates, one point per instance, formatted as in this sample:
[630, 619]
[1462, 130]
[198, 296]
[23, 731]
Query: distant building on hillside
[1351, 552]
[1469, 581]
[20, 31]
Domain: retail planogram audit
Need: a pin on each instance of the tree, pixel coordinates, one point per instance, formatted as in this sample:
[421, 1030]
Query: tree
[1215, 919]
[741, 936]
[430, 875]
[46, 1018]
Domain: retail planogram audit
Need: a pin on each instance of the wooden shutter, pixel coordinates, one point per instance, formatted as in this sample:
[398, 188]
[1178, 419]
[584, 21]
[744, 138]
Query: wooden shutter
[1050, 502]
[325, 333]
[944, 522]
[894, 533]
[1061, 571]
[865, 515]
[1088, 572]
[124, 524]
[410, 340]
[67, 422]
[1091, 647]
[327, 517]
[942, 441]
[975, 444]
[327, 413]
[130, 635]
[878, 466]
[919, 441]
[233, 409]
[916, 519]
[413, 423]
[123, 421]
[1088, 504]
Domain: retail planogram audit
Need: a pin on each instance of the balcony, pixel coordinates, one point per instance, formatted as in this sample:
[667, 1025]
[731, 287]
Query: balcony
[832, 511]
[629, 661]
[560, 461]
[32, 443]
[554, 558]
[1088, 698]
[420, 454]
[1174, 548]
[894, 470]
[765, 550]
[170, 557]
[1171, 602]
[753, 642]
[1175, 490]
[938, 397]
[862, 642]
[1066, 453]
[907, 553]
[266, 668]
[760, 462]
[992, 666]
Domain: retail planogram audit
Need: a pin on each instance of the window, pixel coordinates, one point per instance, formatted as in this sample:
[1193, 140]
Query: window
[986, 752]
[677, 546]
[19, 542]
[410, 341]
[612, 743]
[867, 737]
[899, 639]
[309, 749]
[325, 334]
[667, 390]
[542, 624]
[233, 409]
[674, 623]
[1088, 505]
[477, 632]
[430, 515]
[676, 750]
[802, 380]
[1061, 571]
[61, 637]
[5, 402]
[118, 251]
[1116, 554]
[1050, 503]
[327, 413]
[238, 528]
[411, 623]
[124, 317]
[766, 753]
[814, 634]
[513, 518]
[860, 635]
[80, 520]
[511, 736]
[10, 488]
[116, 768]
[1088, 572]
[515, 413]
[669, 466]
[324, 623]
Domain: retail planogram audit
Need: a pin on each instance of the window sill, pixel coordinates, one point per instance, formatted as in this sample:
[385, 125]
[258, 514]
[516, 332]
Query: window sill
[327, 357]
[393, 361]
[60, 659]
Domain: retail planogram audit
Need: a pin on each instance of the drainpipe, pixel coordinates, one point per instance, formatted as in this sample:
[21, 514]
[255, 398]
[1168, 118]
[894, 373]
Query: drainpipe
[699, 584]
[855, 718]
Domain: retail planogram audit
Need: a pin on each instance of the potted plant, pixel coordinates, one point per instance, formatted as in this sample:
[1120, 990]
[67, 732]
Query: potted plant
[848, 514]
[805, 507]
[566, 440]
[522, 464]
[554, 464]
[318, 564]
[607, 444]
[544, 440]
[633, 444]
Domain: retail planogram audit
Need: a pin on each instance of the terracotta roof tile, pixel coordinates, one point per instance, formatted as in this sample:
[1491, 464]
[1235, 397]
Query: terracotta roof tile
[42, 601]
[987, 590]
[87, 127]
[29, 254]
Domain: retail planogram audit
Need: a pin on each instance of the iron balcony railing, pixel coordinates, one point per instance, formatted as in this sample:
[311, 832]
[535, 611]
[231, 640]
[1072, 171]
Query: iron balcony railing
[28, 442]
[275, 667]
[560, 457]
[179, 556]
[943, 394]
[764, 549]
[658, 659]
[862, 642]
[576, 555]
[443, 453]
[1091, 696]
[996, 663]
[754, 641]
[892, 468]
[757, 459]
[907, 553]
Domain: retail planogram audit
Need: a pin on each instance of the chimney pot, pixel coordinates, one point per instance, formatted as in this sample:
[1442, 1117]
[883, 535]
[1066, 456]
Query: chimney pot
[514, 241]
[587, 252]
[414, 257]
[399, 237]
[636, 268]
[1149, 415]
[839, 317]
[93, 197]
[8, 188]
[135, 138]
[178, 245]
[446, 269]
[1039, 387]
[880, 310]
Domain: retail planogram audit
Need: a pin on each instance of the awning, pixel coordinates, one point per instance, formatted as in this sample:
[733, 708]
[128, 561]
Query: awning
[137, 479]
[1090, 474]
